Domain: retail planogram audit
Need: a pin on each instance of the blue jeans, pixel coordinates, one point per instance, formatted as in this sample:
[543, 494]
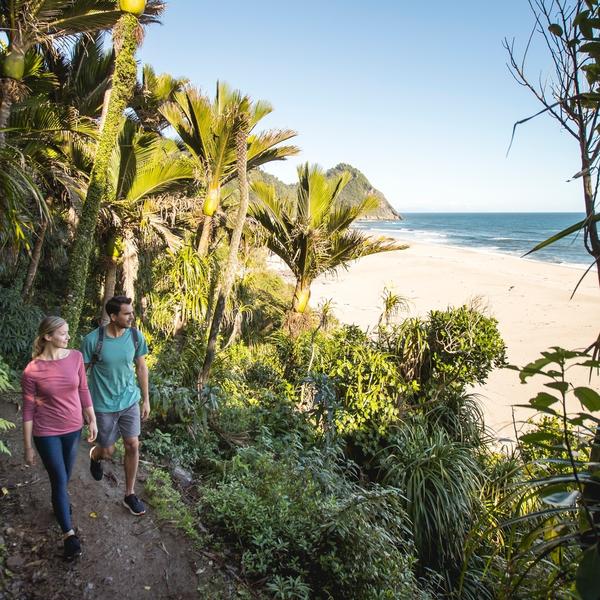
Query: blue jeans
[58, 453]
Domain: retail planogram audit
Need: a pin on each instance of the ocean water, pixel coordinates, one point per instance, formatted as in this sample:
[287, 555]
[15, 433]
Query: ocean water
[506, 233]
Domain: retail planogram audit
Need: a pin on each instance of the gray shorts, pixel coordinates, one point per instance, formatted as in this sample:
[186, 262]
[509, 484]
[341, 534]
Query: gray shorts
[126, 423]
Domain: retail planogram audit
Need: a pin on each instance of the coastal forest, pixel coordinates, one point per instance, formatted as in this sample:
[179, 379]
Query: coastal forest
[310, 458]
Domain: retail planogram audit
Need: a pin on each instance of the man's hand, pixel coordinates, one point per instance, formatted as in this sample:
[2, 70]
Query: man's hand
[29, 456]
[145, 410]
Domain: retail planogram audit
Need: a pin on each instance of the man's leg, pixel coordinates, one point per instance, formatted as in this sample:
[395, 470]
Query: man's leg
[98, 453]
[132, 458]
[108, 432]
[130, 427]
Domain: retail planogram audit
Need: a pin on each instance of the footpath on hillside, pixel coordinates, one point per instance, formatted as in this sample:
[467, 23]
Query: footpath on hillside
[123, 556]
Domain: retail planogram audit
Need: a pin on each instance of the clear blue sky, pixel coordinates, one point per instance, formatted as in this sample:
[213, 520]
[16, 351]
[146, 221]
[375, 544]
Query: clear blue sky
[416, 95]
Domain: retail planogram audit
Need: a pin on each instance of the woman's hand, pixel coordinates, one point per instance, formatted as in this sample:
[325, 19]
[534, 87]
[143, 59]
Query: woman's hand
[29, 456]
[92, 431]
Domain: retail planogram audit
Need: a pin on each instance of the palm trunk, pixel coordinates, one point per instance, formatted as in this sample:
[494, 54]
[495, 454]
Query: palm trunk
[301, 296]
[35, 261]
[110, 284]
[5, 105]
[236, 330]
[231, 267]
[123, 85]
[110, 278]
[205, 236]
[130, 265]
[105, 105]
[178, 323]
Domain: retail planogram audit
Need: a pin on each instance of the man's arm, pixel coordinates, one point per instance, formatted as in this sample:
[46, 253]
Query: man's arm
[141, 370]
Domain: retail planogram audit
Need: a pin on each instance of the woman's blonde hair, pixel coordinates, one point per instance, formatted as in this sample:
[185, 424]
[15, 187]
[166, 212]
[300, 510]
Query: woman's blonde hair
[47, 327]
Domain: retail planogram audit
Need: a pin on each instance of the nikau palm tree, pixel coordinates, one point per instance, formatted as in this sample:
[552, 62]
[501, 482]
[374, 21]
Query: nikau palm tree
[142, 167]
[47, 134]
[17, 182]
[207, 130]
[31, 23]
[151, 94]
[54, 128]
[83, 74]
[241, 138]
[311, 233]
[126, 35]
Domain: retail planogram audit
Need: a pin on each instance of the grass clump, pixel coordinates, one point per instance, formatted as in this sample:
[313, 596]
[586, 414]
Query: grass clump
[169, 505]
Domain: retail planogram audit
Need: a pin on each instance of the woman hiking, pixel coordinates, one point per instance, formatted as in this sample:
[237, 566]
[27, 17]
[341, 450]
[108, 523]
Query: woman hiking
[55, 400]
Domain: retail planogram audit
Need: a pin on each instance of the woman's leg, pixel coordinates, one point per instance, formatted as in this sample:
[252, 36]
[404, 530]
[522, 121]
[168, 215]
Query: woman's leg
[54, 451]
[70, 444]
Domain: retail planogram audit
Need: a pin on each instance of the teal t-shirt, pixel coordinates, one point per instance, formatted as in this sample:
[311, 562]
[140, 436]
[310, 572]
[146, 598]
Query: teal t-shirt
[112, 379]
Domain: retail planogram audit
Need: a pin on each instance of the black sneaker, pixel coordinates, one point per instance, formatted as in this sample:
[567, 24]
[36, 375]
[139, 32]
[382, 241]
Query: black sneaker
[72, 548]
[96, 467]
[135, 505]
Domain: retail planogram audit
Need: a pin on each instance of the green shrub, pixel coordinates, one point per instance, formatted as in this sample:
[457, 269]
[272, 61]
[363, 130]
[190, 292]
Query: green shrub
[258, 366]
[171, 401]
[190, 448]
[457, 413]
[455, 347]
[441, 479]
[367, 385]
[294, 516]
[177, 360]
[5, 426]
[252, 395]
[465, 346]
[269, 298]
[19, 322]
[544, 438]
[5, 385]
[7, 376]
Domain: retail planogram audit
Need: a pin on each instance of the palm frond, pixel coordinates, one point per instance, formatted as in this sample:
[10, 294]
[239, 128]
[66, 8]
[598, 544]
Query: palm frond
[20, 198]
[159, 176]
[207, 129]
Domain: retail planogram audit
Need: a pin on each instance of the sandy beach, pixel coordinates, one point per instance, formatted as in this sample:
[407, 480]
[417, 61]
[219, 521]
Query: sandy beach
[530, 300]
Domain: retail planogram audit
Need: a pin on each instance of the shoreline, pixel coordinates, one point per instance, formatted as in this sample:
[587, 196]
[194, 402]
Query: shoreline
[529, 299]
[416, 234]
[480, 250]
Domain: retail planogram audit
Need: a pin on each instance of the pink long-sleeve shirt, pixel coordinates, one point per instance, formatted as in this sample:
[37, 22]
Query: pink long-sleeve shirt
[54, 394]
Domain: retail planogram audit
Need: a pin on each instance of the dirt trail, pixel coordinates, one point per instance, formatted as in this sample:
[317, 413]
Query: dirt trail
[123, 556]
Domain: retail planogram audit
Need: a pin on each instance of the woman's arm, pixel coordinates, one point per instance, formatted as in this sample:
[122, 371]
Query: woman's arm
[86, 402]
[90, 418]
[28, 450]
[29, 389]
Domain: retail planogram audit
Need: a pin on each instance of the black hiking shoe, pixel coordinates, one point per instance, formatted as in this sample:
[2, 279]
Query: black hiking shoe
[135, 505]
[96, 467]
[72, 548]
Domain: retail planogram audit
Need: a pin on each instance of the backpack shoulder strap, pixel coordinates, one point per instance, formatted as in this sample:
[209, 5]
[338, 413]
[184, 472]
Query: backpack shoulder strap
[135, 334]
[96, 357]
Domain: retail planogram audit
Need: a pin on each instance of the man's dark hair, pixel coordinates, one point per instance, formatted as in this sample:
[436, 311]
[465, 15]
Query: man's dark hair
[113, 306]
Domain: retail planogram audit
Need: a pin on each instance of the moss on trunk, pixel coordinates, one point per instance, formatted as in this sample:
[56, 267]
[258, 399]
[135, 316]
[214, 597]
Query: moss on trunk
[123, 85]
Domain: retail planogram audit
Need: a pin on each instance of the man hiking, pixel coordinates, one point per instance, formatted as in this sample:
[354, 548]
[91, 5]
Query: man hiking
[109, 353]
